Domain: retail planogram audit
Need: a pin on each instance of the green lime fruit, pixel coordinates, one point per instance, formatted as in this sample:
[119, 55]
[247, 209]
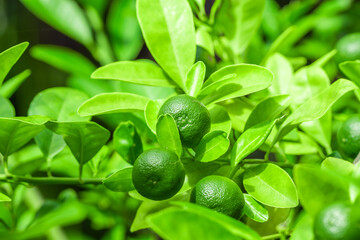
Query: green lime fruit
[220, 194]
[348, 48]
[191, 116]
[158, 174]
[348, 137]
[338, 221]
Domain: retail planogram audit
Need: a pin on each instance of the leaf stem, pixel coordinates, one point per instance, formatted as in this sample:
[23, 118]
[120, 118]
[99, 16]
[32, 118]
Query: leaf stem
[6, 170]
[49, 181]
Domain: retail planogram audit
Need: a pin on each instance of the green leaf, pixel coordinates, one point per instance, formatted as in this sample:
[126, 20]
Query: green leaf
[232, 225]
[220, 119]
[17, 131]
[124, 29]
[267, 110]
[169, 33]
[303, 145]
[212, 146]
[64, 59]
[283, 73]
[255, 210]
[250, 140]
[151, 114]
[318, 187]
[127, 141]
[204, 40]
[303, 228]
[9, 57]
[234, 81]
[120, 181]
[4, 198]
[149, 207]
[168, 134]
[340, 166]
[11, 85]
[113, 103]
[66, 214]
[64, 15]
[84, 139]
[239, 20]
[59, 104]
[316, 106]
[271, 185]
[139, 72]
[195, 78]
[190, 226]
[6, 108]
[352, 70]
[307, 82]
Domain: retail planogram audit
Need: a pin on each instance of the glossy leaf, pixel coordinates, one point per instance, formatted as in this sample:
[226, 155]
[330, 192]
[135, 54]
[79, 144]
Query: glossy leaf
[4, 198]
[168, 134]
[17, 131]
[59, 104]
[64, 59]
[6, 108]
[195, 171]
[267, 110]
[127, 141]
[232, 225]
[195, 78]
[318, 187]
[84, 139]
[212, 146]
[250, 140]
[9, 57]
[204, 40]
[12, 84]
[234, 81]
[255, 210]
[64, 15]
[113, 103]
[303, 228]
[307, 82]
[315, 107]
[352, 70]
[68, 213]
[190, 226]
[151, 114]
[220, 119]
[283, 72]
[120, 181]
[169, 33]
[239, 21]
[340, 166]
[124, 29]
[139, 72]
[271, 185]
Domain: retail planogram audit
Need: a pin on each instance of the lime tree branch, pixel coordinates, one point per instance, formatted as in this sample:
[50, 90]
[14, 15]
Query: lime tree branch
[49, 180]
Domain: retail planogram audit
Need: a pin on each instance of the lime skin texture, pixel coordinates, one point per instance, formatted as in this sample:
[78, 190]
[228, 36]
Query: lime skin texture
[348, 136]
[220, 194]
[191, 116]
[158, 174]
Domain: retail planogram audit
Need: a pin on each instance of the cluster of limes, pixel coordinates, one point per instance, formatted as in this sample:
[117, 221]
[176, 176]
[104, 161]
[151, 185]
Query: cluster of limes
[159, 174]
